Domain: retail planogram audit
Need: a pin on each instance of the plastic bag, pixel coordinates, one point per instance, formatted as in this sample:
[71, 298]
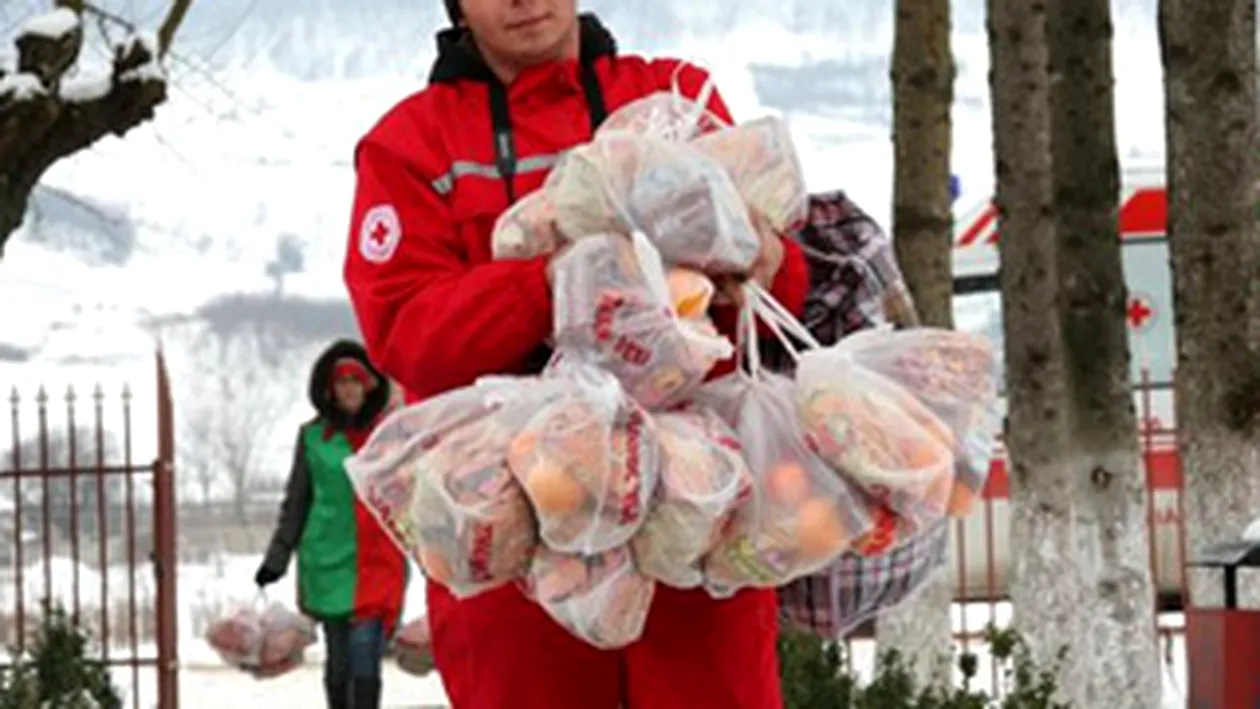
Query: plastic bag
[762, 161]
[801, 515]
[663, 114]
[527, 229]
[955, 375]
[859, 404]
[435, 474]
[588, 460]
[613, 305]
[265, 644]
[414, 648]
[600, 598]
[690, 293]
[704, 479]
[682, 200]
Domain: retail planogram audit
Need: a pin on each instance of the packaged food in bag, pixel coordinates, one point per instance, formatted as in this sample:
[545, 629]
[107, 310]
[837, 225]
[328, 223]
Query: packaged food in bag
[957, 376]
[237, 637]
[435, 474]
[859, 404]
[704, 479]
[286, 635]
[902, 412]
[588, 461]
[600, 598]
[763, 163]
[414, 648]
[612, 304]
[682, 200]
[527, 229]
[265, 643]
[474, 523]
[801, 515]
[690, 293]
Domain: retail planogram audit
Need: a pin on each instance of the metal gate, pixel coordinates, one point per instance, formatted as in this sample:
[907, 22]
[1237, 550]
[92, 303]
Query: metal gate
[87, 526]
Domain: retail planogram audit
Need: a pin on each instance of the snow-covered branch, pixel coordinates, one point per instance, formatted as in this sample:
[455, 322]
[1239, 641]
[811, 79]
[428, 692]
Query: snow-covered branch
[47, 114]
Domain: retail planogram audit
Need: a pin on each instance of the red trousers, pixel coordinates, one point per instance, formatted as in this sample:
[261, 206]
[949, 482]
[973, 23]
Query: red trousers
[501, 651]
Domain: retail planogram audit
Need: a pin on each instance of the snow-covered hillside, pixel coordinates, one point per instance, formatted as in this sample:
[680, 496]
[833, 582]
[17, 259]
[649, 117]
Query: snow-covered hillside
[243, 182]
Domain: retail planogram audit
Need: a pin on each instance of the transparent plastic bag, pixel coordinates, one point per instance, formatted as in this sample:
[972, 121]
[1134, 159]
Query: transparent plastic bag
[413, 648]
[859, 404]
[264, 643]
[801, 515]
[762, 161]
[286, 635]
[685, 202]
[956, 376]
[588, 460]
[237, 637]
[704, 479]
[435, 474]
[527, 229]
[664, 114]
[600, 598]
[613, 305]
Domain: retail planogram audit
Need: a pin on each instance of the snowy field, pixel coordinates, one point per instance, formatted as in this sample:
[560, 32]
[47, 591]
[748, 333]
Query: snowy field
[208, 590]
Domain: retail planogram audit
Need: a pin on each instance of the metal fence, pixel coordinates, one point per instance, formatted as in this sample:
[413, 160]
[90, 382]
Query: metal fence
[89, 529]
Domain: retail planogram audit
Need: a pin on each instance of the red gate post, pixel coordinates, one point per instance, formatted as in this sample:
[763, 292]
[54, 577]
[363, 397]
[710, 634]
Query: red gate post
[165, 531]
[1223, 644]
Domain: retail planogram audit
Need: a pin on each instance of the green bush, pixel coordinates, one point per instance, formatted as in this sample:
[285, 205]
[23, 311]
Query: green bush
[55, 671]
[815, 675]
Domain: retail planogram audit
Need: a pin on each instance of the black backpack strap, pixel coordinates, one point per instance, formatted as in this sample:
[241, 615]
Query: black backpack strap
[595, 105]
[505, 158]
[504, 142]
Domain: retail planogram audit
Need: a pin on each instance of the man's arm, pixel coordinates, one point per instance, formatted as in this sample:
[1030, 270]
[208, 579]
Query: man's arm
[429, 319]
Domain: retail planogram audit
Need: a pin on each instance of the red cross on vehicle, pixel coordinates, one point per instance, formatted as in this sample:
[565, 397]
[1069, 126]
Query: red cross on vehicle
[1139, 312]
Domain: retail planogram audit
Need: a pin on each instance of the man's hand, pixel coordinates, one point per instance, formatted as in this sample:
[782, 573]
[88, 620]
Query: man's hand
[763, 269]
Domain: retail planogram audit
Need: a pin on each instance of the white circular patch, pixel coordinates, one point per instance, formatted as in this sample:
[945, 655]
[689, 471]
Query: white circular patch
[380, 233]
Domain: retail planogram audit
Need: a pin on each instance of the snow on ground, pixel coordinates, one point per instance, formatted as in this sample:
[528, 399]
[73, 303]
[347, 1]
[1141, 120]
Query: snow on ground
[207, 591]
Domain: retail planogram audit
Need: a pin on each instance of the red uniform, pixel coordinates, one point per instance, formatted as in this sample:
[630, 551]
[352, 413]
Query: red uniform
[437, 313]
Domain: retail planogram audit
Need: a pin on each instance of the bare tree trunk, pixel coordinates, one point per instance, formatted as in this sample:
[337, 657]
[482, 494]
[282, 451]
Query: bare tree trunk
[1209, 57]
[1081, 577]
[923, 95]
[1045, 584]
[1109, 520]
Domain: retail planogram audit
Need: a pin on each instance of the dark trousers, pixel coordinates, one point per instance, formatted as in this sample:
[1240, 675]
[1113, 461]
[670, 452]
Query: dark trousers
[352, 669]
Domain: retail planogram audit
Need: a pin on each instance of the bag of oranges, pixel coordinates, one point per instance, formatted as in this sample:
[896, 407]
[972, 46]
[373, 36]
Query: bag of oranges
[801, 515]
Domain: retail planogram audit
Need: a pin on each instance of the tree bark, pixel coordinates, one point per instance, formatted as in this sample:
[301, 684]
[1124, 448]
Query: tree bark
[1117, 610]
[1209, 57]
[923, 96]
[1045, 584]
[1081, 577]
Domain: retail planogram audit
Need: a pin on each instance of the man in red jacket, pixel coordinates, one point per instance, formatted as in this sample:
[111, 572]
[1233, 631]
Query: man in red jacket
[515, 84]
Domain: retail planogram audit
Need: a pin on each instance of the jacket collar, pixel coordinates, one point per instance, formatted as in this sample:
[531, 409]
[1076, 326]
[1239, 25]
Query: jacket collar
[458, 58]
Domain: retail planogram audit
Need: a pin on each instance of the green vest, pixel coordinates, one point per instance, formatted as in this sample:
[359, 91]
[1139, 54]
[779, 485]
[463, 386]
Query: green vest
[327, 554]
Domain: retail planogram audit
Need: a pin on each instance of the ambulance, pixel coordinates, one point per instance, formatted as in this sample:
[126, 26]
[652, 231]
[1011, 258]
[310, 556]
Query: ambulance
[981, 553]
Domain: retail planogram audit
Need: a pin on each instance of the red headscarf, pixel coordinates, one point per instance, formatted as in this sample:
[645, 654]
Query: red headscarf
[352, 368]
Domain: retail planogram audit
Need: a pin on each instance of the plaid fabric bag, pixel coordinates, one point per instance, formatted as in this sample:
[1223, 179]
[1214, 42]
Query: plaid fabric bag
[855, 284]
[856, 589]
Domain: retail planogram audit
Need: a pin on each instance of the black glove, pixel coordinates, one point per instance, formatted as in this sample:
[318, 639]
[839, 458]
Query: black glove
[265, 576]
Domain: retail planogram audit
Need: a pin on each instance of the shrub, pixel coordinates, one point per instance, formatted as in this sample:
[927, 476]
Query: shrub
[55, 672]
[815, 675]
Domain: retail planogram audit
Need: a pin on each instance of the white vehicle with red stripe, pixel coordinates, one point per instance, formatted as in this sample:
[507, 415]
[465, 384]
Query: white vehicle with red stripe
[980, 546]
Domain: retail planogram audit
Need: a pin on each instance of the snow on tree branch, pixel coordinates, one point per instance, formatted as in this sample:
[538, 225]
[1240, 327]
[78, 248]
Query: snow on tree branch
[46, 114]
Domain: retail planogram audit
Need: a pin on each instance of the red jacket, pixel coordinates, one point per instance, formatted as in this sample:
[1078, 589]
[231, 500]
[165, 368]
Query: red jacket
[435, 311]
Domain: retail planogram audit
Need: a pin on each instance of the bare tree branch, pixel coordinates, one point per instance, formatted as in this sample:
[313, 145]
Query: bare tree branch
[43, 118]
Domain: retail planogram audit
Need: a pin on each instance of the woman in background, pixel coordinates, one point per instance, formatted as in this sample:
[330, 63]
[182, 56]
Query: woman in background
[351, 577]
